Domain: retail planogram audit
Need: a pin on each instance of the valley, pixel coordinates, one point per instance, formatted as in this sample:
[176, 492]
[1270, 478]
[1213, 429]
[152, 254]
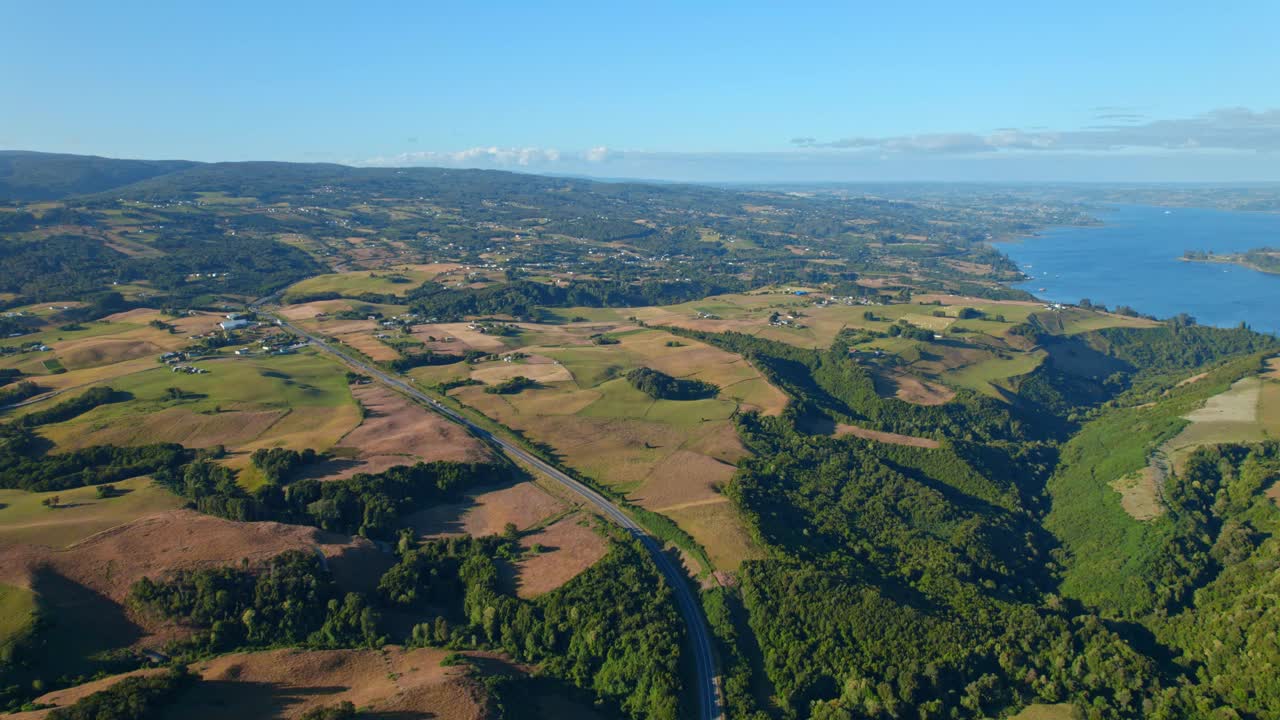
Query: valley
[480, 444]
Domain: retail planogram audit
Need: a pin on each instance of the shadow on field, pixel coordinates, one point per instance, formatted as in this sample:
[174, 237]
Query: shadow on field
[217, 699]
[81, 624]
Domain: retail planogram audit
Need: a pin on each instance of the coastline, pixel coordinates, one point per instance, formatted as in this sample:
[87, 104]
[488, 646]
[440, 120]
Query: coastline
[1239, 260]
[1127, 259]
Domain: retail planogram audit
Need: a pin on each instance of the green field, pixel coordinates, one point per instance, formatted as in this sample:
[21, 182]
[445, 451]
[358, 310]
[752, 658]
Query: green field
[666, 455]
[97, 328]
[1269, 409]
[352, 284]
[81, 513]
[17, 612]
[1039, 711]
[1108, 547]
[1231, 416]
[298, 401]
[222, 198]
[984, 375]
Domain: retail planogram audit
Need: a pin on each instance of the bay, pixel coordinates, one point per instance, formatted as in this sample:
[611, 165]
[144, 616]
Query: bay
[1132, 259]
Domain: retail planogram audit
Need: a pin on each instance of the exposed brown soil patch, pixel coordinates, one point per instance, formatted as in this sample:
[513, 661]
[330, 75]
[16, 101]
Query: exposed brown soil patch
[1138, 494]
[569, 545]
[884, 437]
[91, 352]
[231, 428]
[544, 371]
[1193, 379]
[397, 431]
[683, 477]
[912, 389]
[389, 683]
[464, 337]
[487, 512]
[111, 561]
[286, 683]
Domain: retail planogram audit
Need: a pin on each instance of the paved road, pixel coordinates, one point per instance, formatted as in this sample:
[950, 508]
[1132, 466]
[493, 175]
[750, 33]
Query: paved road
[699, 637]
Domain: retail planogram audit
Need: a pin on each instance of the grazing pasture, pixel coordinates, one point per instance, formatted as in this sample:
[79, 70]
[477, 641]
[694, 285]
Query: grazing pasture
[297, 401]
[662, 453]
[83, 586]
[286, 683]
[1230, 416]
[567, 547]
[80, 513]
[397, 431]
[17, 614]
[486, 511]
[392, 280]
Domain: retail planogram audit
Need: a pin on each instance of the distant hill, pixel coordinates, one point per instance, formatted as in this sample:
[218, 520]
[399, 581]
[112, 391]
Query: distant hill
[27, 176]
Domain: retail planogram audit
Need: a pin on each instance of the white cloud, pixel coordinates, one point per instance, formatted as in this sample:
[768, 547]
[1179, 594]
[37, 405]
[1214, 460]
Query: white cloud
[495, 157]
[598, 154]
[1230, 129]
[472, 157]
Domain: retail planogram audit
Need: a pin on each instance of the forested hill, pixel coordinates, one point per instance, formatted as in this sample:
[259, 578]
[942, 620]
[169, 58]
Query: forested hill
[30, 176]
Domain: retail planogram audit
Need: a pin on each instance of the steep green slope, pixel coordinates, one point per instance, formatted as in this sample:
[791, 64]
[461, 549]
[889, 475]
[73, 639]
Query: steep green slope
[29, 176]
[1111, 560]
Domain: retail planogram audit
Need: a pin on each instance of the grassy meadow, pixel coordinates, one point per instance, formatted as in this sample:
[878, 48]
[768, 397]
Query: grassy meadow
[24, 519]
[666, 455]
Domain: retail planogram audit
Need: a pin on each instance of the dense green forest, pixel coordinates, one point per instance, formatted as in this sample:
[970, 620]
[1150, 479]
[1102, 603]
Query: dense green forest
[523, 298]
[47, 176]
[915, 582]
[74, 267]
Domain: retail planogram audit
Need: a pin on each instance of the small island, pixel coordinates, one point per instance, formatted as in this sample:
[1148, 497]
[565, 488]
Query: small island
[1263, 259]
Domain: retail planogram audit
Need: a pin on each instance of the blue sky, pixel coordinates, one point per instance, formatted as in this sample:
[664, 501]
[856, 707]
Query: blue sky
[692, 91]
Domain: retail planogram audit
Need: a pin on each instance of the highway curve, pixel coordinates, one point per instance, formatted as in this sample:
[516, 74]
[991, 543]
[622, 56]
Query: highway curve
[708, 681]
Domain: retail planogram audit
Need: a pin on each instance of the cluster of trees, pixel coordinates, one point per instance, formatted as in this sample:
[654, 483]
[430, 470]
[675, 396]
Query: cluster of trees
[279, 464]
[909, 331]
[344, 710]
[1199, 579]
[133, 698]
[1227, 631]
[26, 464]
[20, 325]
[511, 386]
[1174, 347]
[612, 632]
[292, 601]
[78, 266]
[364, 504]
[522, 298]
[893, 589]
[901, 581]
[19, 392]
[68, 409]
[661, 386]
[428, 357]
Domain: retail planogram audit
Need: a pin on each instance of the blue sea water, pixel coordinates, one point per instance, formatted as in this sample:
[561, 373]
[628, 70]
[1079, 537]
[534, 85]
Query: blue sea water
[1133, 259]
